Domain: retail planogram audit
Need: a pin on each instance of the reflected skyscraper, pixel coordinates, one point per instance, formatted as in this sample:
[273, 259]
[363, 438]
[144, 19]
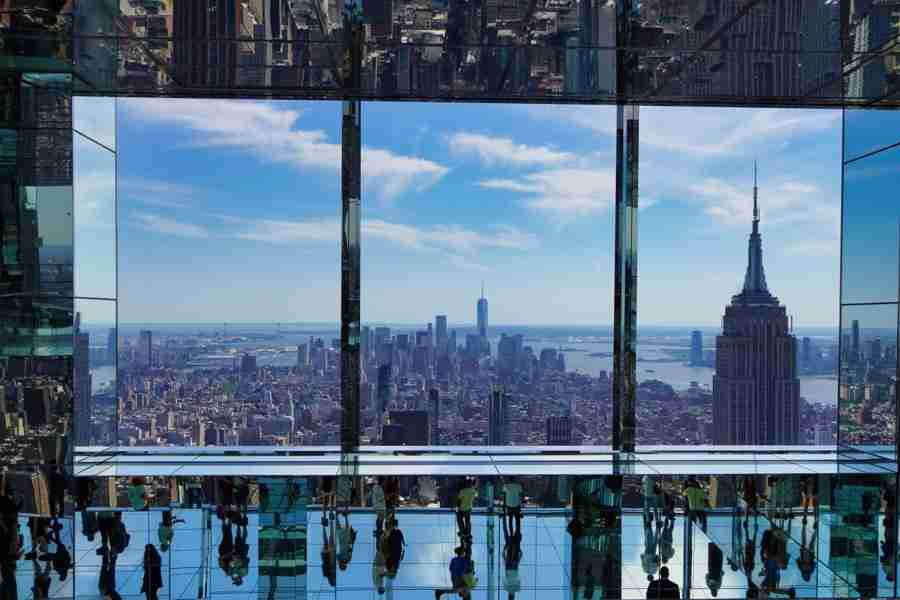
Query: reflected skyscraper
[756, 392]
[482, 315]
[82, 381]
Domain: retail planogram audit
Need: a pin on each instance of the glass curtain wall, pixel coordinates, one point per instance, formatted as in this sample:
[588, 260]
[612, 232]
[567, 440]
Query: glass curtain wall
[733, 202]
[229, 287]
[486, 275]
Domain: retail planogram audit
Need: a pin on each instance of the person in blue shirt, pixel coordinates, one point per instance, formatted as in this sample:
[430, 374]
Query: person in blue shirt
[459, 565]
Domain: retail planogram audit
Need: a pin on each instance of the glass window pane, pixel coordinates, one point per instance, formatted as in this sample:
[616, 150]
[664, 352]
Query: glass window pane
[868, 130]
[229, 288]
[870, 230]
[95, 117]
[705, 277]
[95, 349]
[868, 370]
[94, 220]
[517, 200]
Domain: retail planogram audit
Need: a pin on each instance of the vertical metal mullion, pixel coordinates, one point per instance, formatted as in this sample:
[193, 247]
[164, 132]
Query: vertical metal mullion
[350, 275]
[625, 273]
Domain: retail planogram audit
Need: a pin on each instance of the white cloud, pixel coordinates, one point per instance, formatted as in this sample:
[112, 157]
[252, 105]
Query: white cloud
[270, 133]
[701, 134]
[494, 150]
[164, 225]
[562, 194]
[284, 232]
[466, 264]
[161, 194]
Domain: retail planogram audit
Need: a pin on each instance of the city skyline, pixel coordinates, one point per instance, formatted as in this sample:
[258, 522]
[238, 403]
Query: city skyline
[526, 210]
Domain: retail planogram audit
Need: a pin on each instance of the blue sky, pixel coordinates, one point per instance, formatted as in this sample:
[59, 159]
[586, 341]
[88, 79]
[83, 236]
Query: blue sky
[229, 210]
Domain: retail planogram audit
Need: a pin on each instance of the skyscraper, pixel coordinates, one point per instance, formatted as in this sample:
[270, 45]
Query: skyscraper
[112, 348]
[559, 431]
[497, 417]
[756, 392]
[854, 349]
[696, 349]
[482, 315]
[145, 348]
[440, 332]
[302, 355]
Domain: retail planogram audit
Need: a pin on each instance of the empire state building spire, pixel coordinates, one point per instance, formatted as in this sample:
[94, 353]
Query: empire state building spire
[755, 290]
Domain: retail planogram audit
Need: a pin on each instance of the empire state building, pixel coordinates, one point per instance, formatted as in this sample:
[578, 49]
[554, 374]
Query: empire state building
[756, 392]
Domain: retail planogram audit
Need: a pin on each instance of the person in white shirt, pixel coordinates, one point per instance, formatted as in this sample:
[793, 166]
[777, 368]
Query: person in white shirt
[378, 503]
[512, 503]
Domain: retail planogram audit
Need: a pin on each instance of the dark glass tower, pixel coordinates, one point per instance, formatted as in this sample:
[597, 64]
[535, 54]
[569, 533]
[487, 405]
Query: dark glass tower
[756, 392]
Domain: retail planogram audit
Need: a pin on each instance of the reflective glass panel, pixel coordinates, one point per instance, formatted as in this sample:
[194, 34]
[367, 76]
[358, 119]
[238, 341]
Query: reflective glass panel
[229, 294]
[868, 368]
[733, 202]
[487, 271]
[95, 348]
[870, 230]
[94, 220]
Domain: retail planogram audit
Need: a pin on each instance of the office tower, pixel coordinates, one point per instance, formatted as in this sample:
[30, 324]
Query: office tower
[482, 315]
[81, 380]
[406, 428]
[112, 347]
[854, 348]
[756, 392]
[302, 355]
[875, 352]
[434, 408]
[696, 358]
[144, 353]
[37, 406]
[248, 364]
[559, 431]
[451, 342]
[497, 417]
[509, 350]
[205, 42]
[806, 352]
[384, 390]
[365, 334]
[440, 331]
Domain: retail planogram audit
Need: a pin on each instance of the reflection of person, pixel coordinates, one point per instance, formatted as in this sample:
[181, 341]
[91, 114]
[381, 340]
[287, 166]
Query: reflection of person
[394, 545]
[465, 501]
[750, 496]
[137, 494]
[166, 530]
[9, 517]
[242, 494]
[107, 583]
[772, 579]
[226, 546]
[346, 538]
[86, 487]
[512, 555]
[378, 570]
[459, 566]
[808, 495]
[56, 484]
[714, 562]
[649, 558]
[663, 588]
[806, 562]
[152, 572]
[651, 493]
[329, 568]
[666, 541]
[696, 500]
[512, 502]
[60, 558]
[378, 503]
[41, 586]
[240, 564]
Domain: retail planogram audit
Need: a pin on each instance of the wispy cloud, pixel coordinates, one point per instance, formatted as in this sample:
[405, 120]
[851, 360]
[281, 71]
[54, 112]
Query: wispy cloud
[496, 150]
[283, 232]
[164, 225]
[562, 194]
[271, 134]
[160, 194]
